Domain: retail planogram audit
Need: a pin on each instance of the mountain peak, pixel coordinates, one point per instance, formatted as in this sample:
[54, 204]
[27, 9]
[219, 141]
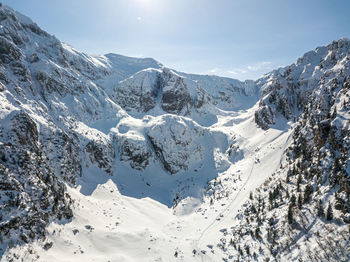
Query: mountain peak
[180, 166]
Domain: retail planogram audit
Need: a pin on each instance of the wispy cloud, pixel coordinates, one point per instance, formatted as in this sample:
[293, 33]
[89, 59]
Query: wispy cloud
[259, 65]
[237, 71]
[250, 71]
[232, 72]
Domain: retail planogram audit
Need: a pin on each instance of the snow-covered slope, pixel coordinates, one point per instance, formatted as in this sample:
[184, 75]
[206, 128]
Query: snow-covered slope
[113, 158]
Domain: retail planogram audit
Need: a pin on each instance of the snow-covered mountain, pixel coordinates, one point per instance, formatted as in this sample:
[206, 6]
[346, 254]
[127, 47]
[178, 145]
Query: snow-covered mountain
[123, 159]
[302, 211]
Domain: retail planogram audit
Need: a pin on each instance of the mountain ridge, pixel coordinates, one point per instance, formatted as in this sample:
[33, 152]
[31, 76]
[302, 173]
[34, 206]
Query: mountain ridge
[72, 125]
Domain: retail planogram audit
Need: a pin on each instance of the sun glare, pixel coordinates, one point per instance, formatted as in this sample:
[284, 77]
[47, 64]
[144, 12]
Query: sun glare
[149, 4]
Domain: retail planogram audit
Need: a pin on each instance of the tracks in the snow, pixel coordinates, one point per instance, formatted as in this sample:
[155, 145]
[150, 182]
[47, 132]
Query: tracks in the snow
[221, 214]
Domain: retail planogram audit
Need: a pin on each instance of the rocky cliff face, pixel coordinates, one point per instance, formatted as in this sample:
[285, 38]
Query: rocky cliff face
[174, 142]
[161, 88]
[139, 92]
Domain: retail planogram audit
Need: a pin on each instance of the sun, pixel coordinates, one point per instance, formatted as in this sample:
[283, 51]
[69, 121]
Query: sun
[149, 6]
[144, 2]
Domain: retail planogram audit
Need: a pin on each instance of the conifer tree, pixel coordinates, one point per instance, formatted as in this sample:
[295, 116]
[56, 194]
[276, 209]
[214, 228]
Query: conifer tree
[329, 212]
[298, 182]
[320, 210]
[307, 193]
[299, 202]
[290, 214]
[293, 200]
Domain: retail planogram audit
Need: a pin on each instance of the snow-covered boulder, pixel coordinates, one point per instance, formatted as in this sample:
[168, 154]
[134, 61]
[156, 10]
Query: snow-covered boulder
[234, 153]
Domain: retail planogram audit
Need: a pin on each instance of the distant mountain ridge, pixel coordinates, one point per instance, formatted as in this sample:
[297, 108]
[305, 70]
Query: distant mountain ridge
[72, 120]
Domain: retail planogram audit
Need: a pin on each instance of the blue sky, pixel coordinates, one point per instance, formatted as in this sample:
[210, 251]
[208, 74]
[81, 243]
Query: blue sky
[236, 38]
